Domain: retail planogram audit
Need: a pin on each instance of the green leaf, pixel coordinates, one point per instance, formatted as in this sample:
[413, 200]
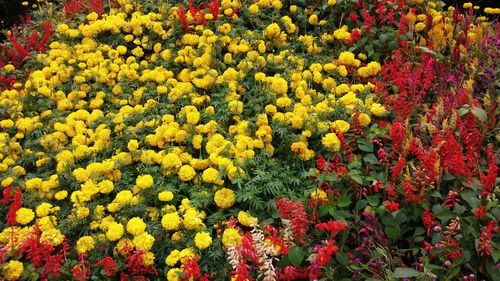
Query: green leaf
[370, 159]
[496, 256]
[373, 200]
[356, 177]
[405, 272]
[344, 201]
[479, 113]
[392, 231]
[296, 255]
[342, 258]
[464, 110]
[445, 215]
[365, 145]
[470, 197]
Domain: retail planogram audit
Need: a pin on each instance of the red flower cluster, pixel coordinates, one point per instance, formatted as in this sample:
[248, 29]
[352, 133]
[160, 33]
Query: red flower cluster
[295, 212]
[198, 13]
[76, 7]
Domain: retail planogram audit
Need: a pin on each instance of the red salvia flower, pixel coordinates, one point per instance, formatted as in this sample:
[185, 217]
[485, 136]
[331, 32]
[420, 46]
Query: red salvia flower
[109, 266]
[332, 226]
[353, 17]
[294, 211]
[241, 273]
[480, 212]
[6, 194]
[320, 162]
[183, 18]
[14, 207]
[428, 220]
[190, 268]
[391, 205]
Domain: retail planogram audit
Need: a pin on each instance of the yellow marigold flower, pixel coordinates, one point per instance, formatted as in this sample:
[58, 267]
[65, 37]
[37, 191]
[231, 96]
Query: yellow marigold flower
[133, 145]
[467, 5]
[9, 68]
[85, 244]
[340, 125]
[105, 186]
[124, 197]
[53, 237]
[92, 16]
[347, 58]
[224, 198]
[143, 241]
[279, 86]
[171, 221]
[491, 11]
[177, 236]
[165, 196]
[144, 181]
[420, 26]
[371, 69]
[115, 231]
[332, 2]
[271, 109]
[231, 237]
[171, 161]
[24, 216]
[43, 209]
[13, 270]
[138, 52]
[364, 119]
[6, 182]
[174, 274]
[342, 71]
[313, 19]
[283, 102]
[196, 141]
[293, 9]
[253, 9]
[61, 195]
[122, 50]
[186, 173]
[211, 175]
[193, 117]
[247, 220]
[202, 240]
[273, 30]
[148, 258]
[172, 258]
[235, 106]
[277, 4]
[7, 123]
[377, 109]
[331, 141]
[136, 226]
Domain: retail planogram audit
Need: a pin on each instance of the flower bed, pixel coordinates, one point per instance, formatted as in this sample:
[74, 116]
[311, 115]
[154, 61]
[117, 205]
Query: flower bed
[250, 140]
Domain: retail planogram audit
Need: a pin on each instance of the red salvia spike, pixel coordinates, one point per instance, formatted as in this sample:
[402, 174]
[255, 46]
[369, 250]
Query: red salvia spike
[6, 194]
[182, 15]
[14, 207]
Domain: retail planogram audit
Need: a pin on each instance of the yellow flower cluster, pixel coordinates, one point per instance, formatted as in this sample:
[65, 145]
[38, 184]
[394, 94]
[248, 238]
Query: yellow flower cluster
[145, 132]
